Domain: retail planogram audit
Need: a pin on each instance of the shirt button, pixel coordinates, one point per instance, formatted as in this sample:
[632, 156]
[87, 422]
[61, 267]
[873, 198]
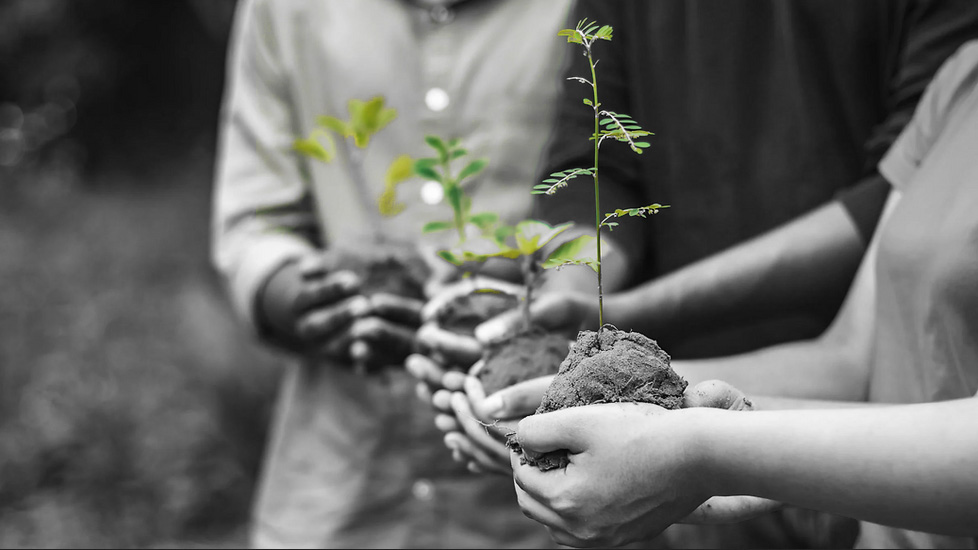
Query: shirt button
[423, 490]
[432, 192]
[441, 15]
[436, 99]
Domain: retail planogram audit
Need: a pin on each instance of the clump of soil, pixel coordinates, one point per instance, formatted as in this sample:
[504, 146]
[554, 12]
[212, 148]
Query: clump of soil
[609, 366]
[390, 267]
[463, 314]
[526, 355]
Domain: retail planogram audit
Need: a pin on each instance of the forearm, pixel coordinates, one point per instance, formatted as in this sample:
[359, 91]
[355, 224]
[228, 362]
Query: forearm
[807, 262]
[910, 466]
[809, 370]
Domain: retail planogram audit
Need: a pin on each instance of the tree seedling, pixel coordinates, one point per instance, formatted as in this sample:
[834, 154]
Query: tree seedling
[607, 365]
[608, 125]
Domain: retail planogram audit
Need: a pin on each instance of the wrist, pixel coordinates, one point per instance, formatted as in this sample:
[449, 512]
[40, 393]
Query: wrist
[706, 450]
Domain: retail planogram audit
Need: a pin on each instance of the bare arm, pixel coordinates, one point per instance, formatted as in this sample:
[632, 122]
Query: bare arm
[800, 264]
[909, 466]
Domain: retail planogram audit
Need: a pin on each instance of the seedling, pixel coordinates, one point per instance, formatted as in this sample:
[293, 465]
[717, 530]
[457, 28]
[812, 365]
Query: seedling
[367, 118]
[611, 365]
[607, 125]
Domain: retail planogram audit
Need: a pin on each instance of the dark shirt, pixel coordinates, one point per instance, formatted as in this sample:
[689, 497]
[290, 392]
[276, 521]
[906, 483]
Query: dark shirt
[762, 110]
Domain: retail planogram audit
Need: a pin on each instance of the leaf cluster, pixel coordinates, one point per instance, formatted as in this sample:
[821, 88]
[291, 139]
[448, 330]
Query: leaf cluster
[586, 32]
[439, 168]
[365, 120]
[641, 211]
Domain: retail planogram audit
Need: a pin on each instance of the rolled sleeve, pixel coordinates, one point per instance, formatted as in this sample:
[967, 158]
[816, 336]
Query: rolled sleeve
[262, 213]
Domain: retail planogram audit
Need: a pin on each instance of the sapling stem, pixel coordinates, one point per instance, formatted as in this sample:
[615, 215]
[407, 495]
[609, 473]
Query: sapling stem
[355, 157]
[594, 175]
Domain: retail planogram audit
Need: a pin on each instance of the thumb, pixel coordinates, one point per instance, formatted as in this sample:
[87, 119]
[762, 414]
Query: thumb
[552, 431]
[717, 394]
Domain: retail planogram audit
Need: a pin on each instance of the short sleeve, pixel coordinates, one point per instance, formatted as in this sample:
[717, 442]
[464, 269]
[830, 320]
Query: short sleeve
[908, 151]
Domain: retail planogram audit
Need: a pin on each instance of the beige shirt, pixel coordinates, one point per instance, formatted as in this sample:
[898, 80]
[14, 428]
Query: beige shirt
[926, 341]
[355, 461]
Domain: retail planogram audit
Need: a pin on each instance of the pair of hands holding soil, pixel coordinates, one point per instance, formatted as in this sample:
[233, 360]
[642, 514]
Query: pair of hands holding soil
[601, 496]
[356, 308]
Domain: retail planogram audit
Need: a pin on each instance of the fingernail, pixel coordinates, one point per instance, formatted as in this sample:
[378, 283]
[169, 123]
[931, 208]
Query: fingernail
[490, 331]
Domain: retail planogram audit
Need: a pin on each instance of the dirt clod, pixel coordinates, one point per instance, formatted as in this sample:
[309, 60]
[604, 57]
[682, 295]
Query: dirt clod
[609, 366]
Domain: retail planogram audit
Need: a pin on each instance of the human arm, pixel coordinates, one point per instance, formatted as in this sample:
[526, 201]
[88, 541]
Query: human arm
[266, 239]
[636, 469]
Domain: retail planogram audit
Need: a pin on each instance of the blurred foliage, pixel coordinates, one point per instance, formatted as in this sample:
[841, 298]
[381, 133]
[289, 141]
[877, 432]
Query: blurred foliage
[133, 408]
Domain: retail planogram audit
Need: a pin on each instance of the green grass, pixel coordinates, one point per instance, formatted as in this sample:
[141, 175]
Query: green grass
[133, 409]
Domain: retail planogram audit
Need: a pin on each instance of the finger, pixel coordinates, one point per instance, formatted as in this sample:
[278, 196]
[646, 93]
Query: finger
[320, 324]
[317, 265]
[477, 432]
[327, 290]
[442, 401]
[471, 454]
[717, 394]
[731, 509]
[424, 369]
[387, 342]
[457, 348]
[447, 423]
[551, 311]
[505, 325]
[435, 307]
[423, 391]
[516, 401]
[399, 309]
[561, 429]
[529, 502]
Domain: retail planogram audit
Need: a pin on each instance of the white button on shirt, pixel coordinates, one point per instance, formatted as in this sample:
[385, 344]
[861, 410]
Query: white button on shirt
[423, 490]
[437, 99]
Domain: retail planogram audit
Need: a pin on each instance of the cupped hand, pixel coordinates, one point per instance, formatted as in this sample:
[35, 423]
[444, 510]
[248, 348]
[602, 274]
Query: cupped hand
[631, 472]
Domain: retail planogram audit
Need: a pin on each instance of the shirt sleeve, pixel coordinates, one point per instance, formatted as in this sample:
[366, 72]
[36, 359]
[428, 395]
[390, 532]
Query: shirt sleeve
[262, 209]
[903, 159]
[928, 33]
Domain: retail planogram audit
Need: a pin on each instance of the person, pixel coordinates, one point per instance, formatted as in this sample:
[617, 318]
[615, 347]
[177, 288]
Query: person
[901, 357]
[803, 156]
[353, 459]
[762, 113]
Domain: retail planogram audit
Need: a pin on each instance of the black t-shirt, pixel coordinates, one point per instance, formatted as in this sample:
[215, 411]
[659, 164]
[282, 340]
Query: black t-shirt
[761, 109]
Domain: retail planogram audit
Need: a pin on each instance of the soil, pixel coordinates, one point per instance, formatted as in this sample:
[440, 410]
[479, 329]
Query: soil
[463, 314]
[390, 267]
[526, 355]
[610, 366]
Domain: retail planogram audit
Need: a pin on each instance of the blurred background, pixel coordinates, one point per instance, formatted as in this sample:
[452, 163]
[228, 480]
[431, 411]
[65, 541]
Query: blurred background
[133, 408]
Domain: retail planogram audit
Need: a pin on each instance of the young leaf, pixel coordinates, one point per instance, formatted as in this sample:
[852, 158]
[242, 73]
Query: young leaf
[532, 235]
[485, 220]
[437, 144]
[426, 169]
[431, 227]
[580, 251]
[400, 169]
[472, 168]
[312, 148]
[335, 124]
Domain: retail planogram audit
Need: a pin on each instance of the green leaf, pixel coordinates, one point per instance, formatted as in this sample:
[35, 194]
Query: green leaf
[588, 102]
[335, 124]
[484, 220]
[438, 144]
[456, 153]
[450, 258]
[312, 148]
[472, 168]
[532, 235]
[400, 169]
[432, 227]
[581, 251]
[426, 169]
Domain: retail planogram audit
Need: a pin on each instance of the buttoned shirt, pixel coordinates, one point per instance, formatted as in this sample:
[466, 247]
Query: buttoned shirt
[354, 460]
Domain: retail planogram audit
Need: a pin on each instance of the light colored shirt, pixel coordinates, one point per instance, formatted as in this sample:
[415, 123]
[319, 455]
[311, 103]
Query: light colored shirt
[356, 461]
[926, 342]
